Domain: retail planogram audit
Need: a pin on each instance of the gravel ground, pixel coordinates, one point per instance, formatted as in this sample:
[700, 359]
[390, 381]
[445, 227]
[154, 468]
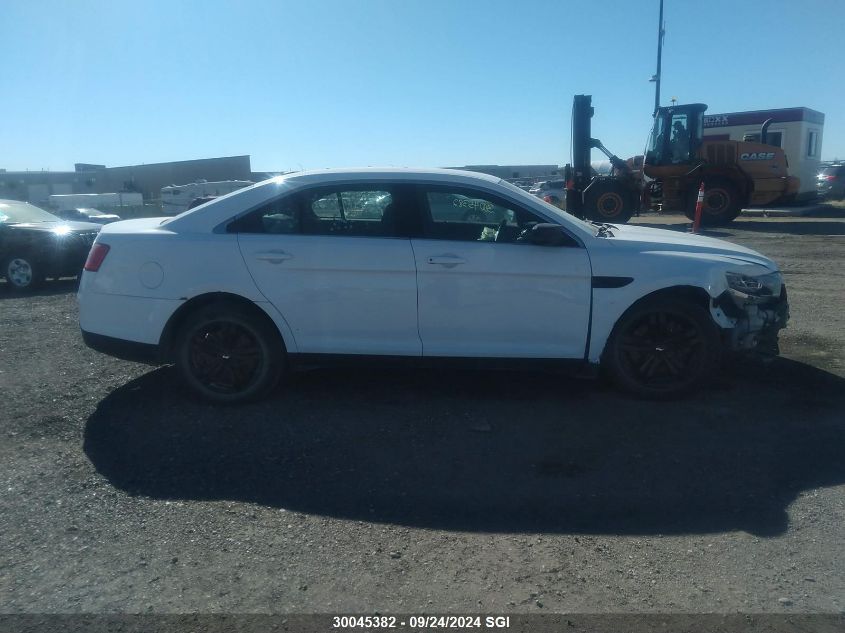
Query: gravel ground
[423, 491]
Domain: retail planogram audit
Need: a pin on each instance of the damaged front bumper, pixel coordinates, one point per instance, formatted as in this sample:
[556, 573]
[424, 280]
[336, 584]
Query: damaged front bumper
[754, 322]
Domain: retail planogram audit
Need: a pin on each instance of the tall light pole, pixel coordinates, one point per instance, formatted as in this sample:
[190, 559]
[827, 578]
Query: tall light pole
[661, 31]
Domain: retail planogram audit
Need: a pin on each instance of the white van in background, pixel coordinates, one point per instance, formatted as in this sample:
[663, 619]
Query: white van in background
[176, 198]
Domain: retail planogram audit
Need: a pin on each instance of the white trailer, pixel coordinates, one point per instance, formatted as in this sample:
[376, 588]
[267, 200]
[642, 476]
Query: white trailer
[176, 198]
[108, 201]
[798, 131]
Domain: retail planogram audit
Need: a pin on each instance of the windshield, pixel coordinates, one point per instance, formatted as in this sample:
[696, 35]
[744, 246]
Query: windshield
[21, 212]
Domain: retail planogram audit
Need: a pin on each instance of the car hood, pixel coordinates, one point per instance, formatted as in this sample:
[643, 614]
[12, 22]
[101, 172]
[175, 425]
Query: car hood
[52, 227]
[647, 239]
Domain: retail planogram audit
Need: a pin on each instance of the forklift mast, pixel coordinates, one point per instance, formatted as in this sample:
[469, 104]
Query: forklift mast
[579, 173]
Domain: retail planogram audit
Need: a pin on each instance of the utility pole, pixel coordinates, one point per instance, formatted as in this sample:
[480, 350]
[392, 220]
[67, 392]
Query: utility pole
[661, 31]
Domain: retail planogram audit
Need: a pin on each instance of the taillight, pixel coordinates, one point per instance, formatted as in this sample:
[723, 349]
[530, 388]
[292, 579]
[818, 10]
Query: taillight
[829, 178]
[547, 199]
[96, 256]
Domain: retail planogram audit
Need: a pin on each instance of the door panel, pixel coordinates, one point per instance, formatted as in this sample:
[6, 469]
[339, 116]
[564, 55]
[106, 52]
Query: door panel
[502, 300]
[333, 262]
[340, 295]
[484, 291]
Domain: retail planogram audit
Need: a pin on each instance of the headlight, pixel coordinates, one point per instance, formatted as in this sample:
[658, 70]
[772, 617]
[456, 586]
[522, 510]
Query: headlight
[758, 286]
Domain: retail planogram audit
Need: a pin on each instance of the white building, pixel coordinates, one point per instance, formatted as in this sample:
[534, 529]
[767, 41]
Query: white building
[797, 130]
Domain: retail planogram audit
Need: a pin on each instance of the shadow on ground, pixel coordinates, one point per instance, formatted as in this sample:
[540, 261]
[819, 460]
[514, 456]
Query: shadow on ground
[487, 451]
[46, 289]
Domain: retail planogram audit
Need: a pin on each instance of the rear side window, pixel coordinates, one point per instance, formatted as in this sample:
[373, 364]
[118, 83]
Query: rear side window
[363, 211]
[278, 217]
[353, 212]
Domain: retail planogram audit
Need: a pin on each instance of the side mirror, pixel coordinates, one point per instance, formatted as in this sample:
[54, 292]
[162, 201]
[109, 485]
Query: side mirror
[548, 235]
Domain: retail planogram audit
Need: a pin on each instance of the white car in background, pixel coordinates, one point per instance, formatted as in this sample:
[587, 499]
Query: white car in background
[552, 191]
[313, 266]
[84, 214]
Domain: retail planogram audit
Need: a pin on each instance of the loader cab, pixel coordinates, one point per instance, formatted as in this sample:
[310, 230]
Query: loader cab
[676, 135]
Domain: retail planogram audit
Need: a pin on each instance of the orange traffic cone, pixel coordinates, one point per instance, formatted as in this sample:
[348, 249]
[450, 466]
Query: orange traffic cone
[699, 205]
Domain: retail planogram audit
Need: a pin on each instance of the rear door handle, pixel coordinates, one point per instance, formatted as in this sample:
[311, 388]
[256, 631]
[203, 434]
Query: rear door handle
[273, 257]
[449, 261]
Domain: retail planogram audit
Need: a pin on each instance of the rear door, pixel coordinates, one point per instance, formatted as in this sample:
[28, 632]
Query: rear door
[334, 263]
[483, 293]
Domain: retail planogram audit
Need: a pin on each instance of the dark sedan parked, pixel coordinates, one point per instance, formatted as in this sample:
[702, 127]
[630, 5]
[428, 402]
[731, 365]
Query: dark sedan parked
[831, 182]
[35, 244]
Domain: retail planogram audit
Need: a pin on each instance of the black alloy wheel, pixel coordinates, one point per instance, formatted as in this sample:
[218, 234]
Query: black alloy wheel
[663, 349]
[224, 356]
[227, 354]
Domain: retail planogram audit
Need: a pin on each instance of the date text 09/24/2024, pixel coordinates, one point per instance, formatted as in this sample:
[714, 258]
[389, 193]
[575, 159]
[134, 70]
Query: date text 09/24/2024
[421, 622]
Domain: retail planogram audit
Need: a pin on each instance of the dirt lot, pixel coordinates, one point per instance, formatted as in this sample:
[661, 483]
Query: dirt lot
[355, 491]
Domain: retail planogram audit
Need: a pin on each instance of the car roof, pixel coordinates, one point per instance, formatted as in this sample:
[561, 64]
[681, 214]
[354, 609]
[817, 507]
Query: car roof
[209, 214]
[387, 173]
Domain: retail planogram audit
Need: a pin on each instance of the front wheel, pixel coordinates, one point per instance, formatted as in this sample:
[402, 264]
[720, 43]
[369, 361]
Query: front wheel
[662, 348]
[226, 354]
[21, 272]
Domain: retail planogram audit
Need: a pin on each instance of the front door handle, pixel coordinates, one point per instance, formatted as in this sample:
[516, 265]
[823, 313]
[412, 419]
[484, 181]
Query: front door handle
[273, 257]
[449, 261]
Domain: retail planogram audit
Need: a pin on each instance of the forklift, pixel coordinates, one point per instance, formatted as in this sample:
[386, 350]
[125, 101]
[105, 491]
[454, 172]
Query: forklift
[677, 160]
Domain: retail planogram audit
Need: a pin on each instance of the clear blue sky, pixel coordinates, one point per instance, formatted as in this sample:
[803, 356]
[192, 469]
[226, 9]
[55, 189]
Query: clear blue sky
[318, 83]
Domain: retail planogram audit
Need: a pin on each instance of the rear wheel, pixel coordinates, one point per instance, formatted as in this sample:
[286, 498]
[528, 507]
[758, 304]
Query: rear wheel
[722, 203]
[662, 348]
[608, 202]
[227, 354]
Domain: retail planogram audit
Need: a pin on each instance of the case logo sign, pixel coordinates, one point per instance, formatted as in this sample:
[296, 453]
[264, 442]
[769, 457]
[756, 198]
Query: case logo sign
[757, 156]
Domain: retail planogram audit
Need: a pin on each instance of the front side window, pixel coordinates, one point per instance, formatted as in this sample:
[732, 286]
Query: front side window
[654, 151]
[812, 142]
[470, 215]
[680, 139]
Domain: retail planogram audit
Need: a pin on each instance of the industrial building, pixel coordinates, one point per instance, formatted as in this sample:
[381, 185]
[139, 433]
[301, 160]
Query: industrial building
[37, 186]
[515, 172]
[798, 131]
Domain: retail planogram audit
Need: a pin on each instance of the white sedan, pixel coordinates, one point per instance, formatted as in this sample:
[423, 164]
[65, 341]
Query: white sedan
[372, 264]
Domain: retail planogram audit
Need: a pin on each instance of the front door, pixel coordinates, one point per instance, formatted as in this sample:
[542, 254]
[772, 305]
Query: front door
[482, 293]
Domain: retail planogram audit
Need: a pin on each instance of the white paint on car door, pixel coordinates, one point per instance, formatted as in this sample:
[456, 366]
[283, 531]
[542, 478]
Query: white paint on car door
[484, 298]
[502, 300]
[339, 294]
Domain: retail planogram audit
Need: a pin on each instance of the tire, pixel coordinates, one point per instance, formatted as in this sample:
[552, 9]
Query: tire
[22, 272]
[722, 203]
[227, 354]
[608, 202]
[662, 348]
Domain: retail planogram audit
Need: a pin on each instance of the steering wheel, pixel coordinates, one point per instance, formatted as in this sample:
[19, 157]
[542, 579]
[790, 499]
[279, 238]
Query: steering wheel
[502, 225]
